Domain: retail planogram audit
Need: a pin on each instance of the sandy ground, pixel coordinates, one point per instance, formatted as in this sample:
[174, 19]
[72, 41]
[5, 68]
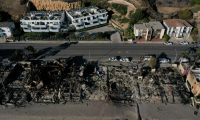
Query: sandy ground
[161, 111]
[93, 110]
[131, 7]
[97, 110]
[170, 10]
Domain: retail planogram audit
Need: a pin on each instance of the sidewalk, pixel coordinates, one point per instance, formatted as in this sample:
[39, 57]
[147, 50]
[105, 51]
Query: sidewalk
[77, 42]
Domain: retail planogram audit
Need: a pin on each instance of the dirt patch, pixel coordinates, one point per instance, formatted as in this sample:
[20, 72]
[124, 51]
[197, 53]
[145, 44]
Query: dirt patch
[12, 7]
[55, 5]
[170, 10]
[130, 7]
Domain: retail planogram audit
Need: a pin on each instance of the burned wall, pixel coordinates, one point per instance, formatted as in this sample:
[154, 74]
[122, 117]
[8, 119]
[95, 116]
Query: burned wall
[56, 5]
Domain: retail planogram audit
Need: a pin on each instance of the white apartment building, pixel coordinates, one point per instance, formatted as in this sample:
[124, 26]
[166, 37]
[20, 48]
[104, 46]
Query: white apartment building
[86, 17]
[177, 27]
[6, 29]
[43, 21]
[148, 31]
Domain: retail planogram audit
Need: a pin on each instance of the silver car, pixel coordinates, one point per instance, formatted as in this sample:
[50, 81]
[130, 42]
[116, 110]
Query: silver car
[168, 43]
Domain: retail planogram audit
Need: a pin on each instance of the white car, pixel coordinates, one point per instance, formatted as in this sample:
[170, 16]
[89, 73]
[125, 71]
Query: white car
[168, 43]
[147, 58]
[164, 60]
[112, 59]
[184, 43]
[184, 60]
[124, 60]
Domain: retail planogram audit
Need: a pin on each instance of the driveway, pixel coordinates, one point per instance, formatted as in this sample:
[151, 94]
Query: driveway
[178, 40]
[115, 36]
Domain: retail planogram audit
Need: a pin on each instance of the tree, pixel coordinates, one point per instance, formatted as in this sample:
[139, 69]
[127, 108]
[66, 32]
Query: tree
[185, 54]
[99, 35]
[29, 52]
[139, 14]
[193, 2]
[107, 34]
[86, 35]
[185, 14]
[198, 55]
[194, 31]
[72, 35]
[166, 37]
[152, 62]
[22, 2]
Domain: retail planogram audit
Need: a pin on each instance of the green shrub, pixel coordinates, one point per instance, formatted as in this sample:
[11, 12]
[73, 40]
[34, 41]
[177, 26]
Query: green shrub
[185, 14]
[125, 39]
[124, 20]
[166, 37]
[99, 35]
[193, 2]
[194, 31]
[122, 9]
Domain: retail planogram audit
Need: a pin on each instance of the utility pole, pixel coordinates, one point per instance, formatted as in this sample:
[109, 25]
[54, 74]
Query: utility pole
[89, 55]
[176, 55]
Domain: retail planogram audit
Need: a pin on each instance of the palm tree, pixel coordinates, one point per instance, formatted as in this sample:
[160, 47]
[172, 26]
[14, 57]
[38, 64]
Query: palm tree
[185, 55]
[198, 55]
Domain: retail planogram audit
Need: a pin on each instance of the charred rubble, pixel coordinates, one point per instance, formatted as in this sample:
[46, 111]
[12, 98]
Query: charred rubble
[74, 80]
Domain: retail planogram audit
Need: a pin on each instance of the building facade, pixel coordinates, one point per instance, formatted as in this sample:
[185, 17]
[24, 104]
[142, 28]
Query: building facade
[6, 29]
[177, 27]
[43, 21]
[148, 31]
[86, 17]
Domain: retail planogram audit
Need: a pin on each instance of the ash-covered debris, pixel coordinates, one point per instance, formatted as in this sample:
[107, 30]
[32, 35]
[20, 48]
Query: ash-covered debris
[74, 79]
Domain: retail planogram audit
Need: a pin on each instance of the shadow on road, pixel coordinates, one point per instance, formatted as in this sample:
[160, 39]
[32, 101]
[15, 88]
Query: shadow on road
[6, 53]
[107, 53]
[53, 51]
[163, 55]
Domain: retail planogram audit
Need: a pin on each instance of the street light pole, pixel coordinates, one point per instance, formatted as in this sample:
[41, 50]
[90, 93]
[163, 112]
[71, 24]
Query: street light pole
[176, 55]
[89, 55]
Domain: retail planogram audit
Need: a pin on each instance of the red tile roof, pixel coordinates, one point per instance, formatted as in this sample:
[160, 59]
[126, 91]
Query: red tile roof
[177, 23]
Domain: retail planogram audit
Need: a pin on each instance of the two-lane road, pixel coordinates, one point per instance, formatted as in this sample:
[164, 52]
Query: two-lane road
[99, 51]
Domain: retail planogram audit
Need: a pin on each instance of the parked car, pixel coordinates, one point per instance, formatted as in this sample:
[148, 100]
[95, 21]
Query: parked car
[184, 60]
[148, 57]
[124, 60]
[164, 60]
[113, 59]
[184, 43]
[168, 43]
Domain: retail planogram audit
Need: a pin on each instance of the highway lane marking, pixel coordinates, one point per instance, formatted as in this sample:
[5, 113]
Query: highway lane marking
[119, 52]
[108, 53]
[126, 51]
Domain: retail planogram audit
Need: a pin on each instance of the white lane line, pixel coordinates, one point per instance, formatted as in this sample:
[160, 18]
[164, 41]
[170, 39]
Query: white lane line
[119, 52]
[126, 51]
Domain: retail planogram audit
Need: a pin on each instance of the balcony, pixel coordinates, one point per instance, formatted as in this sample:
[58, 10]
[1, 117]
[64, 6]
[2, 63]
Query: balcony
[27, 29]
[54, 29]
[40, 29]
[40, 25]
[106, 17]
[79, 27]
[24, 25]
[185, 34]
[90, 25]
[77, 23]
[56, 25]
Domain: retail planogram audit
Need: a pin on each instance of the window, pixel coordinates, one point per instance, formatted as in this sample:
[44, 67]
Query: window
[47, 22]
[84, 18]
[88, 18]
[51, 22]
[32, 22]
[103, 15]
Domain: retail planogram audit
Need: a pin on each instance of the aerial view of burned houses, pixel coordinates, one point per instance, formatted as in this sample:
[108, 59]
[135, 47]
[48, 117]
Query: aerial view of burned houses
[105, 60]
